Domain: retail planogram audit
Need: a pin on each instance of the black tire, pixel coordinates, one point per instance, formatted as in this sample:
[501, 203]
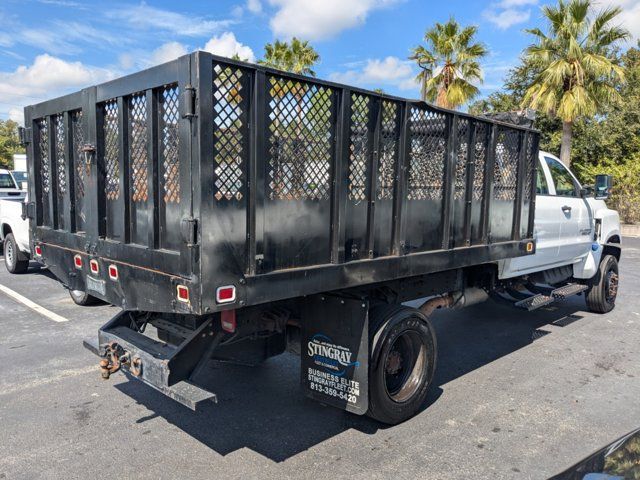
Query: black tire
[14, 259]
[83, 299]
[402, 362]
[601, 297]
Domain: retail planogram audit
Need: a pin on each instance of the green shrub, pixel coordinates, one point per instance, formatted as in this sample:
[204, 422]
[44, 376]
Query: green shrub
[625, 196]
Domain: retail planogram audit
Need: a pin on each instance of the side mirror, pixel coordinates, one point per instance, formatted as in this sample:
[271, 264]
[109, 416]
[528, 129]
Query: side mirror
[586, 191]
[603, 186]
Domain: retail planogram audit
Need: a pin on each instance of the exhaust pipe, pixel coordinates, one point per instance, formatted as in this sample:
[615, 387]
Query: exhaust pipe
[454, 300]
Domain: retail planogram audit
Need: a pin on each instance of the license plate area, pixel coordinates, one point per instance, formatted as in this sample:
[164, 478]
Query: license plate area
[96, 286]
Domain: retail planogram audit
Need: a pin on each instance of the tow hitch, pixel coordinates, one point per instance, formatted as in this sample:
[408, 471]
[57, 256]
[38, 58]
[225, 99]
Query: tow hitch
[117, 357]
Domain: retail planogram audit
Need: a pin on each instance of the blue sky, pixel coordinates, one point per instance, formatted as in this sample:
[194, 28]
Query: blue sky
[51, 47]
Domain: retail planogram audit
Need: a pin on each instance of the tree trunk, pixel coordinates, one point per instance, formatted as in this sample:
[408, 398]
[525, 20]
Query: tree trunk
[565, 146]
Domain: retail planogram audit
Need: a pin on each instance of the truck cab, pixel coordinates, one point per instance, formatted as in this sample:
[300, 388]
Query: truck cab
[573, 228]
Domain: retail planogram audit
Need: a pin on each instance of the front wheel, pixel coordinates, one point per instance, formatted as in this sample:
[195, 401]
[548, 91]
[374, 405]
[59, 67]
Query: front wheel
[14, 259]
[82, 298]
[402, 364]
[601, 297]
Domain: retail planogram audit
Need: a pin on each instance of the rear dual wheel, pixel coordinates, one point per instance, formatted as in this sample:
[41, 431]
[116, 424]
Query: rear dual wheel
[402, 364]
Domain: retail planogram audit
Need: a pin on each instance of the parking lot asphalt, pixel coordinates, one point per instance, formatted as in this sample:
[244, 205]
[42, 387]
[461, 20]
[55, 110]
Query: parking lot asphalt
[516, 395]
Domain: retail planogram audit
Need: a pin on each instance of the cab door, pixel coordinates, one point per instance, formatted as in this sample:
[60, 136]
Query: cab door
[572, 211]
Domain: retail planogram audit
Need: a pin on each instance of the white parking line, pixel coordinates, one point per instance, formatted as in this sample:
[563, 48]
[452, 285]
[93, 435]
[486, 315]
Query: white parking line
[32, 305]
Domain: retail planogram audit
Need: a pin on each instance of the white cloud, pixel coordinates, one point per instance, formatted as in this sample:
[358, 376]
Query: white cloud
[145, 17]
[630, 16]
[317, 20]
[47, 41]
[47, 77]
[379, 73]
[167, 52]
[254, 6]
[507, 13]
[17, 115]
[65, 38]
[226, 45]
[6, 40]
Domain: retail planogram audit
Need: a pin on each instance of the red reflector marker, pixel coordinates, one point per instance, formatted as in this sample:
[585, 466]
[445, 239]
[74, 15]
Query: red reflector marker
[113, 273]
[226, 294]
[77, 261]
[183, 293]
[228, 321]
[38, 250]
[93, 265]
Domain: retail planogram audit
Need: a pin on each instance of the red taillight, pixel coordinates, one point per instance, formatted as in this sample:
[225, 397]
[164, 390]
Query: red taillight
[228, 321]
[226, 294]
[183, 293]
[93, 265]
[77, 261]
[38, 250]
[113, 273]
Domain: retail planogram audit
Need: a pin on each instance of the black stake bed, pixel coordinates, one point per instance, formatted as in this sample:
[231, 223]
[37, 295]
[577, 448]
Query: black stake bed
[206, 184]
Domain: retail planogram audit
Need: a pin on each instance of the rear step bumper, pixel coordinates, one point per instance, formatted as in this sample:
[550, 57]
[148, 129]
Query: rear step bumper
[168, 369]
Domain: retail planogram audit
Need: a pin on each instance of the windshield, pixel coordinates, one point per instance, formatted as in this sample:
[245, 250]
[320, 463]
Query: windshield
[19, 176]
[6, 181]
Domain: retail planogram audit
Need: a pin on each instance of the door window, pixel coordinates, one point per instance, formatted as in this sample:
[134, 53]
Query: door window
[6, 181]
[562, 178]
[542, 188]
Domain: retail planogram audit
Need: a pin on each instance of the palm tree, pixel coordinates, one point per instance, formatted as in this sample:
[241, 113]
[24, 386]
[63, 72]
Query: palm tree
[295, 57]
[577, 65]
[449, 63]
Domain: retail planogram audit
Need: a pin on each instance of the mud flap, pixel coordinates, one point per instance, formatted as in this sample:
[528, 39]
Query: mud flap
[335, 352]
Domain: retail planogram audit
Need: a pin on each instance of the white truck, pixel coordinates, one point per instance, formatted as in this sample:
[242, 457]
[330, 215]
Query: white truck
[237, 226]
[14, 228]
[577, 237]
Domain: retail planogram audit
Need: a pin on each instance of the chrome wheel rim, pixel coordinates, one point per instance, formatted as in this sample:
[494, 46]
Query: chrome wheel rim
[611, 286]
[404, 366]
[9, 254]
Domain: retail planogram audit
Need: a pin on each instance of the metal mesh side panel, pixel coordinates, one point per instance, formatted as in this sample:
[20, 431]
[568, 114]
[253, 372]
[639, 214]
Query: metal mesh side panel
[428, 143]
[230, 131]
[530, 166]
[78, 156]
[138, 147]
[111, 150]
[169, 115]
[359, 147]
[61, 152]
[479, 159]
[300, 140]
[388, 150]
[461, 160]
[43, 148]
[506, 167]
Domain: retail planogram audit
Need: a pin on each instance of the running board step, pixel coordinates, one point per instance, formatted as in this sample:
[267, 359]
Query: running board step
[534, 302]
[568, 290]
[537, 301]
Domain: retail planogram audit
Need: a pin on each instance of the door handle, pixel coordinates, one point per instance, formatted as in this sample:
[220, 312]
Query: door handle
[566, 209]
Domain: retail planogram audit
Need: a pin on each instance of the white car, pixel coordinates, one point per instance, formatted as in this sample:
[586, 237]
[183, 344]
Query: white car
[576, 235]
